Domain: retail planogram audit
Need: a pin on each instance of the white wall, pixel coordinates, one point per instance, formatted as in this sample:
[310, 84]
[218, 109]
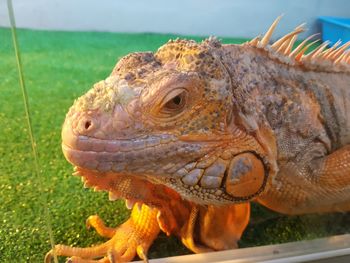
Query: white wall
[238, 18]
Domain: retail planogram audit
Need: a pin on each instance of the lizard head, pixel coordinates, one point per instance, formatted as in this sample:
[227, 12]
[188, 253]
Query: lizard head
[166, 118]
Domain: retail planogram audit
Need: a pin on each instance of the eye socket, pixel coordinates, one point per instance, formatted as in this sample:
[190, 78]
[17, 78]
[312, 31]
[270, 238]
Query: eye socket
[174, 102]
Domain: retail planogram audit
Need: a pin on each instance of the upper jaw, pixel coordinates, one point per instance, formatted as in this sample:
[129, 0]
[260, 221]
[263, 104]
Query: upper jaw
[149, 154]
[114, 155]
[73, 140]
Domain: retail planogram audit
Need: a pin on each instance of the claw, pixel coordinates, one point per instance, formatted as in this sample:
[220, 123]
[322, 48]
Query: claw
[48, 257]
[113, 256]
[87, 223]
[142, 253]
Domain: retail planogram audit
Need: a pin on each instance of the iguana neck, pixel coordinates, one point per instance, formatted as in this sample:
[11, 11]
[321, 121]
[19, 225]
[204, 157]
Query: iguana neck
[300, 106]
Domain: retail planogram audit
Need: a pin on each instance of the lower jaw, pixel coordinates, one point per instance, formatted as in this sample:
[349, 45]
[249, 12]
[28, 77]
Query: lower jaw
[119, 185]
[136, 192]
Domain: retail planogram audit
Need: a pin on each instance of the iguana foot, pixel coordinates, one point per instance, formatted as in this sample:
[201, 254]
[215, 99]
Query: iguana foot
[135, 236]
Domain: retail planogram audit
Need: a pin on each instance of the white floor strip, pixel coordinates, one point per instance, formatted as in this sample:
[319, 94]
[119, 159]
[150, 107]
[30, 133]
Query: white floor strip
[302, 251]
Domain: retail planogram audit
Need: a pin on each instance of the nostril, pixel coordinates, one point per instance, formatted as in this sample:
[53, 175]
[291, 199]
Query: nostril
[87, 124]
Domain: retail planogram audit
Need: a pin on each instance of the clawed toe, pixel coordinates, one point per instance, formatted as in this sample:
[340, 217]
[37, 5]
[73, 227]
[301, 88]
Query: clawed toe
[97, 223]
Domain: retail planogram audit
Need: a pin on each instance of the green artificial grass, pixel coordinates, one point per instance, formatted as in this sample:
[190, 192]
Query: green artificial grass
[59, 67]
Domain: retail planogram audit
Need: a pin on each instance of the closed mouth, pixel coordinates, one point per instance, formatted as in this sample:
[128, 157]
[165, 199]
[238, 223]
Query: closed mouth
[111, 155]
[85, 143]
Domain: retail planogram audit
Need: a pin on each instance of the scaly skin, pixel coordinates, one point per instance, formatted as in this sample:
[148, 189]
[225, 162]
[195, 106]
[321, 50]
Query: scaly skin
[193, 133]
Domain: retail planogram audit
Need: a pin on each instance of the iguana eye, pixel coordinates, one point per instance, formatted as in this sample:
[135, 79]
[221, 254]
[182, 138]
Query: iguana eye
[174, 102]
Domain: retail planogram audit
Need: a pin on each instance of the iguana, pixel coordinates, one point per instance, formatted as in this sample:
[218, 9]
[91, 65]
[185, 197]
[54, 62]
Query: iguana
[192, 133]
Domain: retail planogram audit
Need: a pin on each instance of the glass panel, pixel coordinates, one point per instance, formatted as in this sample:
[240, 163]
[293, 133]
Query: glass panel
[23, 225]
[58, 67]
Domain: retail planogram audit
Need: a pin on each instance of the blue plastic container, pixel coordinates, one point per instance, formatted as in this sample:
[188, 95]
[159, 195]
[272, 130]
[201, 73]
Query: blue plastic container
[335, 28]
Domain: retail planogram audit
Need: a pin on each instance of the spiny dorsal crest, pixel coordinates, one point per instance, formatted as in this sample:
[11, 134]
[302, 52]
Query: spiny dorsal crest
[336, 55]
